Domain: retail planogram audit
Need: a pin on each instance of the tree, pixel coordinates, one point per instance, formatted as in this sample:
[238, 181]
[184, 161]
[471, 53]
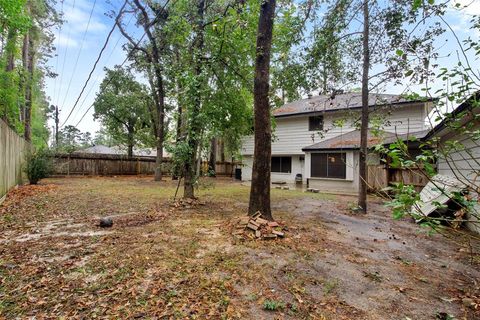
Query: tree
[121, 105]
[150, 16]
[27, 26]
[382, 42]
[103, 137]
[69, 139]
[260, 187]
[362, 168]
[194, 128]
[458, 89]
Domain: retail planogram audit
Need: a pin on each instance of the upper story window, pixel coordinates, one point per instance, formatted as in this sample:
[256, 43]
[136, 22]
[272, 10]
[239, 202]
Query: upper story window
[315, 123]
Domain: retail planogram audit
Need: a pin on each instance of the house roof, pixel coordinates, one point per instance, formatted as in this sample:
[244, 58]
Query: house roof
[352, 100]
[464, 106]
[351, 140]
[101, 149]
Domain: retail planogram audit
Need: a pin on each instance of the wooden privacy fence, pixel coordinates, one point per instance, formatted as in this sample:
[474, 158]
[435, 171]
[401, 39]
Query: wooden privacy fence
[104, 164]
[116, 164]
[380, 176]
[13, 150]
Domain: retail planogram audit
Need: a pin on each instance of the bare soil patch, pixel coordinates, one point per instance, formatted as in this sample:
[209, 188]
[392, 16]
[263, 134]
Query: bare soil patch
[162, 261]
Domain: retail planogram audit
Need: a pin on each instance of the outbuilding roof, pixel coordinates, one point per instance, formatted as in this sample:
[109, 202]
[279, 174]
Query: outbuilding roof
[351, 100]
[351, 140]
[467, 105]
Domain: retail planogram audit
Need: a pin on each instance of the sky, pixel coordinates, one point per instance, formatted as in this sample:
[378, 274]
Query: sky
[81, 38]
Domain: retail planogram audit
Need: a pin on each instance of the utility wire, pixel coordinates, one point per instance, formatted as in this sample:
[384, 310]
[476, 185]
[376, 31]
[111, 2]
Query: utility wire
[79, 52]
[110, 80]
[95, 64]
[65, 55]
[100, 74]
[127, 57]
[56, 60]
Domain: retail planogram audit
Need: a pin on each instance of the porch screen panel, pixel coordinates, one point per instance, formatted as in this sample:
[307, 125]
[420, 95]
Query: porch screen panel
[328, 165]
[337, 167]
[319, 165]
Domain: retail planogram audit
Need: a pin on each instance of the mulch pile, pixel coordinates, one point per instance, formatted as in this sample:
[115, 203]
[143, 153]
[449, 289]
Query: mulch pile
[17, 194]
[187, 203]
[255, 227]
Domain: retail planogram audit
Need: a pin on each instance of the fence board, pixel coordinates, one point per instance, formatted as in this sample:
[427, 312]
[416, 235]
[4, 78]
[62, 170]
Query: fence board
[112, 164]
[13, 149]
[379, 177]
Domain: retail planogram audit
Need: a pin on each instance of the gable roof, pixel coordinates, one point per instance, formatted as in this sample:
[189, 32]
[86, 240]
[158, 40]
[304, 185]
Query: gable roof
[464, 106]
[351, 100]
[351, 140]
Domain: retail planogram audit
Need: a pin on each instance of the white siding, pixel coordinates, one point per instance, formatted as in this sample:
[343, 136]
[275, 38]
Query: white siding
[291, 133]
[297, 167]
[464, 165]
[344, 186]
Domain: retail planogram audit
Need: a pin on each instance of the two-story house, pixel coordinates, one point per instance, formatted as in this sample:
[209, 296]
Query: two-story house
[317, 139]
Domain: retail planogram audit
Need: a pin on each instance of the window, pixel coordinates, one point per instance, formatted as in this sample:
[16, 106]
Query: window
[315, 123]
[282, 164]
[329, 165]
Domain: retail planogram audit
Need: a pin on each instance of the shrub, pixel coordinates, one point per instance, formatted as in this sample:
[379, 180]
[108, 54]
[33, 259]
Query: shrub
[272, 305]
[38, 166]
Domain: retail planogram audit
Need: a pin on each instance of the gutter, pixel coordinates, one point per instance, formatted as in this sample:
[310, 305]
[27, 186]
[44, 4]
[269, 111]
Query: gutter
[351, 108]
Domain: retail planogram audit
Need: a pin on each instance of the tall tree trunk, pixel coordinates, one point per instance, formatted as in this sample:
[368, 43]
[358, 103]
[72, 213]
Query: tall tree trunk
[179, 130]
[195, 126]
[28, 86]
[362, 168]
[160, 136]
[10, 53]
[10, 50]
[260, 188]
[57, 120]
[212, 161]
[23, 75]
[130, 143]
[154, 58]
[222, 150]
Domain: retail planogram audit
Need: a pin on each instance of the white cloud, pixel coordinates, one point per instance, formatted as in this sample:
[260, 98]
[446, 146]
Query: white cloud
[469, 7]
[64, 41]
[461, 13]
[77, 18]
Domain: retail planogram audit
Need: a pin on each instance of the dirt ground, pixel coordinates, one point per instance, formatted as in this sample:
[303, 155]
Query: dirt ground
[160, 261]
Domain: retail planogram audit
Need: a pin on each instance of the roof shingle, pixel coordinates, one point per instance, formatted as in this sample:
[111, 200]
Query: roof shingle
[351, 140]
[352, 100]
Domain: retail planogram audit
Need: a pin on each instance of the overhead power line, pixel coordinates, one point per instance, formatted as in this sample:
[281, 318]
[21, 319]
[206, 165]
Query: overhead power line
[65, 55]
[100, 74]
[95, 64]
[128, 55]
[79, 51]
[56, 58]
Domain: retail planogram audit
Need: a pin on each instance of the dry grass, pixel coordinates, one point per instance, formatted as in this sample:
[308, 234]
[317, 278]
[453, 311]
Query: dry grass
[163, 262]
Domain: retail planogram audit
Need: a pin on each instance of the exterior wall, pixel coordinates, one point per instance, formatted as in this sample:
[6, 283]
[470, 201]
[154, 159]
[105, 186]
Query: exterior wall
[291, 133]
[347, 185]
[297, 167]
[463, 165]
[13, 149]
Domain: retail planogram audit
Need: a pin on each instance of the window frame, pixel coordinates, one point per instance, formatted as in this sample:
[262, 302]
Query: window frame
[317, 172]
[282, 163]
[312, 126]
